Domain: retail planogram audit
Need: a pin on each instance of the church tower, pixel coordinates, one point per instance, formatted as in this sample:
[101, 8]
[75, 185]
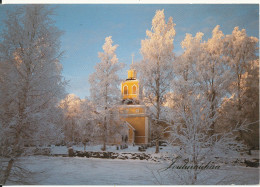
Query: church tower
[130, 87]
[132, 112]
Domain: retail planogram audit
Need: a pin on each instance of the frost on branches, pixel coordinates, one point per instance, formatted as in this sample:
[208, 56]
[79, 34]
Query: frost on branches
[185, 69]
[210, 77]
[195, 145]
[79, 117]
[104, 90]
[31, 83]
[249, 109]
[240, 52]
[213, 75]
[156, 68]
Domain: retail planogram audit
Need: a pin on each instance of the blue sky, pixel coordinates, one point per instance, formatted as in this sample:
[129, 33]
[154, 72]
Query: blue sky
[86, 26]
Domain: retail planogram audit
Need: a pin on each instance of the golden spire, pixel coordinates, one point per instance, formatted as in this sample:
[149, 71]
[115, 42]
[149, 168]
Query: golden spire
[132, 72]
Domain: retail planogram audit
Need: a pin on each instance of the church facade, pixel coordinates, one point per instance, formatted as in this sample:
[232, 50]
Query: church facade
[132, 113]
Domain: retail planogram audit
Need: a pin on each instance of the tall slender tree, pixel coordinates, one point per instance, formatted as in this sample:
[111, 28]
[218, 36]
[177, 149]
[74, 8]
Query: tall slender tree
[185, 69]
[213, 75]
[156, 68]
[104, 85]
[250, 106]
[31, 82]
[239, 50]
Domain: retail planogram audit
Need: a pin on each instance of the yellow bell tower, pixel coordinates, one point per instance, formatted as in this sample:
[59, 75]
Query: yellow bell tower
[133, 113]
[130, 87]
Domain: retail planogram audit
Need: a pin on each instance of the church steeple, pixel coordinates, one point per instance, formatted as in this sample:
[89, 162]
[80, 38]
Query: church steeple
[132, 72]
[130, 87]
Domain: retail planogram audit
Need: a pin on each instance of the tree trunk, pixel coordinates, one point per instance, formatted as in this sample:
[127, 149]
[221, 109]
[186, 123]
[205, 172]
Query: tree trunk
[157, 150]
[73, 131]
[158, 133]
[212, 111]
[85, 147]
[158, 107]
[8, 171]
[16, 148]
[104, 148]
[239, 106]
[212, 97]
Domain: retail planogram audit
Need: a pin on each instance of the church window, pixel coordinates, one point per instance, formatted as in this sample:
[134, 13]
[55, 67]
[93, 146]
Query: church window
[134, 89]
[125, 90]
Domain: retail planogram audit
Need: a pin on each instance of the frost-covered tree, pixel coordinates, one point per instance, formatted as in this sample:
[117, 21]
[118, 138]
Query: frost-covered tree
[114, 126]
[213, 74]
[185, 69]
[79, 119]
[156, 68]
[239, 51]
[30, 83]
[194, 145]
[250, 103]
[87, 127]
[250, 106]
[203, 67]
[71, 106]
[202, 80]
[104, 82]
[184, 64]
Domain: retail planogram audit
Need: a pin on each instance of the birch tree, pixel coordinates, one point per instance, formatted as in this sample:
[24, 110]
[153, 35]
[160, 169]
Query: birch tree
[250, 106]
[31, 83]
[71, 106]
[104, 82]
[203, 79]
[239, 51]
[213, 73]
[194, 147]
[185, 65]
[156, 69]
[79, 119]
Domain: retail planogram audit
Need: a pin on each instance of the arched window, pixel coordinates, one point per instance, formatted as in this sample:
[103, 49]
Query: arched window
[134, 89]
[125, 90]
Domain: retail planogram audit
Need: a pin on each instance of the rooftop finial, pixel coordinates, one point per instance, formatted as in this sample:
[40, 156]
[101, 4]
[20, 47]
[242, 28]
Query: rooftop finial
[133, 58]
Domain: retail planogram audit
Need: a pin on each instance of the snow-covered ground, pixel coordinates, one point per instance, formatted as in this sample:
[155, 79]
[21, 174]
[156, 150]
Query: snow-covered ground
[52, 170]
[90, 171]
[130, 149]
[164, 151]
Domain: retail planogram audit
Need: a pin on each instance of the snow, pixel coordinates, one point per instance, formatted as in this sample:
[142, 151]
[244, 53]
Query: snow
[79, 171]
[130, 149]
[32, 84]
[61, 170]
[164, 151]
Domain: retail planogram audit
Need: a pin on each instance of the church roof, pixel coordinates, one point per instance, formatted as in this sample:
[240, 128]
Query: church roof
[129, 125]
